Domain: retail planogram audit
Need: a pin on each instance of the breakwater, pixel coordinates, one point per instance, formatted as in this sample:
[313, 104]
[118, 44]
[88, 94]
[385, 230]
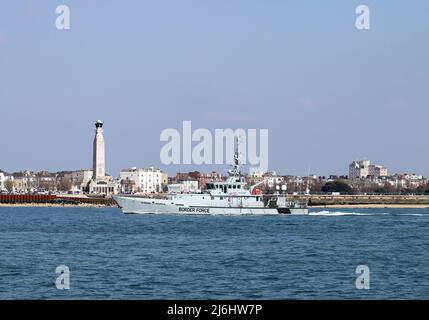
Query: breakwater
[331, 200]
[49, 199]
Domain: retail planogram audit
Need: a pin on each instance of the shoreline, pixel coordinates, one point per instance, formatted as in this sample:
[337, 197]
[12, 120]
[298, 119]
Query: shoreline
[372, 206]
[329, 206]
[55, 205]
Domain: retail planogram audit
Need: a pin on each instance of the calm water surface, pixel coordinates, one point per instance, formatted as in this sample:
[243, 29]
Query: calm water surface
[116, 256]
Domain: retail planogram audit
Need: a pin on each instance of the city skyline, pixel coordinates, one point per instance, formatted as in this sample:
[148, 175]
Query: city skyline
[328, 94]
[369, 165]
[194, 167]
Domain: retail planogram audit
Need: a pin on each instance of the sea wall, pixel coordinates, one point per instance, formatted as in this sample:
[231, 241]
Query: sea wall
[45, 199]
[321, 200]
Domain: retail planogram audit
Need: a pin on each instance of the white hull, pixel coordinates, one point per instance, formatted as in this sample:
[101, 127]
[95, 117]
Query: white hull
[138, 205]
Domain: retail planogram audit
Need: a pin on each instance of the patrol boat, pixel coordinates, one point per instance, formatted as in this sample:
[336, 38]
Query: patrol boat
[230, 197]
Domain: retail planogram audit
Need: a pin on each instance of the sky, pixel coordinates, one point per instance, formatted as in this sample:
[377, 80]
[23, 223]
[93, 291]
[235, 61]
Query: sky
[327, 92]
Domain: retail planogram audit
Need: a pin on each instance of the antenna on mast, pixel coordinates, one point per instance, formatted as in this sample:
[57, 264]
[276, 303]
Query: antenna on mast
[307, 190]
[235, 171]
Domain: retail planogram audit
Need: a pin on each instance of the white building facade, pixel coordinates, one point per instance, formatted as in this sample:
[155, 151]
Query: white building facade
[145, 180]
[2, 182]
[361, 169]
[377, 171]
[24, 181]
[408, 180]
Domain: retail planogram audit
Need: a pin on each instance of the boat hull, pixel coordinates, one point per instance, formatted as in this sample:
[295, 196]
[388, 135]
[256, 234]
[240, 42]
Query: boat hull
[135, 205]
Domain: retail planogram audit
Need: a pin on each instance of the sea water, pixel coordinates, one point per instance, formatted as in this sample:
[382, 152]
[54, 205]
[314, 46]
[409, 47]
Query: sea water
[110, 255]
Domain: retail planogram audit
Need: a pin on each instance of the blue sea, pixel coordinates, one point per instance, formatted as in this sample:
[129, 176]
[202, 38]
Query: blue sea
[116, 256]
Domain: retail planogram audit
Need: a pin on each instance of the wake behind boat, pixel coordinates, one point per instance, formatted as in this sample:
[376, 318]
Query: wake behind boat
[230, 197]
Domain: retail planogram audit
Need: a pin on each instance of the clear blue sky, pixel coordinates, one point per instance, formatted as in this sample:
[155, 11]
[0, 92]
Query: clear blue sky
[327, 92]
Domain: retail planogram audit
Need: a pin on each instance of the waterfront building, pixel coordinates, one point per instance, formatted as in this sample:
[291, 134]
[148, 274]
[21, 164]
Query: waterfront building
[180, 176]
[46, 181]
[127, 184]
[64, 181]
[2, 181]
[208, 177]
[292, 183]
[202, 178]
[272, 179]
[80, 180]
[269, 179]
[257, 174]
[361, 169]
[377, 171]
[24, 181]
[409, 181]
[256, 177]
[145, 180]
